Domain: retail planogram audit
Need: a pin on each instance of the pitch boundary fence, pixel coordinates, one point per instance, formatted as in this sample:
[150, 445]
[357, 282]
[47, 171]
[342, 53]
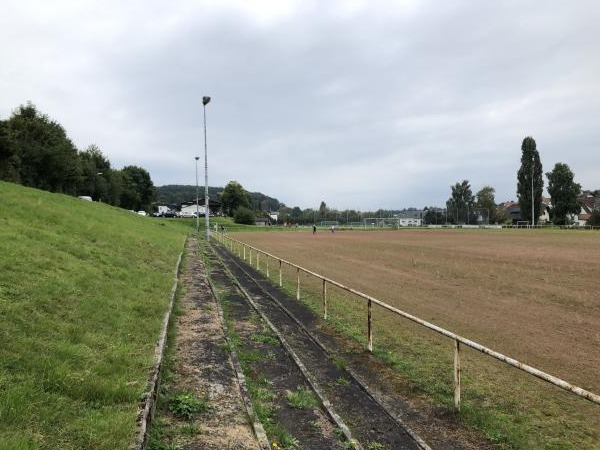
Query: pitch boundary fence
[245, 250]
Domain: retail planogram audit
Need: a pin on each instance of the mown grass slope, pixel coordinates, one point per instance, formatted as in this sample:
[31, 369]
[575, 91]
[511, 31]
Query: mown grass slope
[83, 290]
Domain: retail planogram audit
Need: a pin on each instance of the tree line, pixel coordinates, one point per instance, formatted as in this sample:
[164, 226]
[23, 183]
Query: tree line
[35, 151]
[464, 207]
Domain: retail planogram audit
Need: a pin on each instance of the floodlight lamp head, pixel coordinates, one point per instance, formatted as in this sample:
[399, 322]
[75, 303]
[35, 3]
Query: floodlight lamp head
[196, 158]
[205, 100]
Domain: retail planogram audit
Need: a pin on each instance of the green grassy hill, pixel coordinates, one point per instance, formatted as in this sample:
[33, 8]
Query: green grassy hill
[83, 290]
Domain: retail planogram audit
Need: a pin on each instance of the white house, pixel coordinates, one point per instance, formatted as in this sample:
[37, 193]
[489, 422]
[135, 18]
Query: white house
[189, 210]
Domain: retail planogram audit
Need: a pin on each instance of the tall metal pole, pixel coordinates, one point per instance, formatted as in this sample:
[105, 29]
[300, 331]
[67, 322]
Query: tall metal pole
[197, 195]
[532, 200]
[205, 101]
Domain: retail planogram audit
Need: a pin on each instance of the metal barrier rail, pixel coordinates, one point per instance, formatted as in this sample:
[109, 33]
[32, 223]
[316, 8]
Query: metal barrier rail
[458, 340]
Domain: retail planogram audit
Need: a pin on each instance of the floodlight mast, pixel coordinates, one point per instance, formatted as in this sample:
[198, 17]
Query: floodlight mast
[197, 195]
[532, 201]
[205, 101]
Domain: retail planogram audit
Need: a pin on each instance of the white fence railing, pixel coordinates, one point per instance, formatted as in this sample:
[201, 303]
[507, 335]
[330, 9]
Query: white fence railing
[244, 250]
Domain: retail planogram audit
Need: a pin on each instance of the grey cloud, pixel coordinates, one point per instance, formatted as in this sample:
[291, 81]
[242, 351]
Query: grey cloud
[376, 105]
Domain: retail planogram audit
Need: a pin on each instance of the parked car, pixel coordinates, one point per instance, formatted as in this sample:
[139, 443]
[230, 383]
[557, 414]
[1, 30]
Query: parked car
[165, 214]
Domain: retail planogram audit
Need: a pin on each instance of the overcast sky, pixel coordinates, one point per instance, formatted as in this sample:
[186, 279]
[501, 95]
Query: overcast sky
[360, 104]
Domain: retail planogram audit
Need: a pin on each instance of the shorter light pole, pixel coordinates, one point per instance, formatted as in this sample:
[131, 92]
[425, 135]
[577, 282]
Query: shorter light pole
[197, 194]
[532, 200]
[99, 174]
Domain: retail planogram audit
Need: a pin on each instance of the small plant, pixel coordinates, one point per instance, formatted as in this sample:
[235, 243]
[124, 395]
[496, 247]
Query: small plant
[314, 424]
[339, 362]
[255, 318]
[249, 356]
[187, 405]
[302, 398]
[227, 347]
[282, 438]
[191, 429]
[161, 435]
[342, 381]
[351, 444]
[262, 401]
[265, 338]
[374, 445]
[262, 394]
[290, 442]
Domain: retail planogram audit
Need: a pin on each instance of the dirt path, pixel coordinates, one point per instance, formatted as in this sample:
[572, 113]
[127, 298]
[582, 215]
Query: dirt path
[204, 368]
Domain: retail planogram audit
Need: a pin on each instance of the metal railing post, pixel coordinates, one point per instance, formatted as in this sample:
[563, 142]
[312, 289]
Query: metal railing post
[298, 285]
[324, 299]
[280, 275]
[457, 374]
[370, 326]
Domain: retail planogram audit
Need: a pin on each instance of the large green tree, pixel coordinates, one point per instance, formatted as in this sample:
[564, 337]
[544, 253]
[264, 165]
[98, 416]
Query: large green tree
[9, 159]
[323, 211]
[594, 220]
[233, 197]
[461, 202]
[243, 215]
[485, 203]
[529, 178]
[434, 215]
[563, 191]
[95, 174]
[36, 152]
[41, 153]
[137, 191]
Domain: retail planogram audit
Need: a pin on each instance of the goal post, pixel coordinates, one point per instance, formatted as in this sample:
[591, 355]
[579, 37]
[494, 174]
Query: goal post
[381, 222]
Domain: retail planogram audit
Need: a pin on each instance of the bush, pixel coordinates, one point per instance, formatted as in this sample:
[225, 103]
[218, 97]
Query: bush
[594, 219]
[243, 215]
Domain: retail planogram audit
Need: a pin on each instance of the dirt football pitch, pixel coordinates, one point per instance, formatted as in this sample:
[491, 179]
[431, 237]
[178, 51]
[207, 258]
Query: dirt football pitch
[532, 295]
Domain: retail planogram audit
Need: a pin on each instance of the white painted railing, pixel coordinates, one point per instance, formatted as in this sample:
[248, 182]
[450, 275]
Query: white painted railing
[243, 248]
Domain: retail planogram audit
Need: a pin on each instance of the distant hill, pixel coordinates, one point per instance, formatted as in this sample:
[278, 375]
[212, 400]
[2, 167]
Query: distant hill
[173, 194]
